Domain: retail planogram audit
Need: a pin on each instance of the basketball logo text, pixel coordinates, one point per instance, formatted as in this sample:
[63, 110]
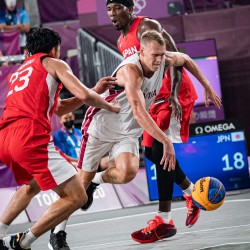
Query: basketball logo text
[201, 185]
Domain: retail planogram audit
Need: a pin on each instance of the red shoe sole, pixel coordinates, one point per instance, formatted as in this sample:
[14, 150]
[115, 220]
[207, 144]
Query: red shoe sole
[170, 233]
[194, 221]
[144, 241]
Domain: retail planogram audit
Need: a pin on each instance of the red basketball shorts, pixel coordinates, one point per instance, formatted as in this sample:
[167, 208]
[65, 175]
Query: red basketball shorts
[27, 149]
[177, 132]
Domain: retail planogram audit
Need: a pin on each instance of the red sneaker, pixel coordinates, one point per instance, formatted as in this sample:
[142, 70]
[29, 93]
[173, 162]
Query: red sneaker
[157, 229]
[193, 211]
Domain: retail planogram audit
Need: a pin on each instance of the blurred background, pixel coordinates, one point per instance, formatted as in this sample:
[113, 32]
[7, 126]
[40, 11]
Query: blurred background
[215, 33]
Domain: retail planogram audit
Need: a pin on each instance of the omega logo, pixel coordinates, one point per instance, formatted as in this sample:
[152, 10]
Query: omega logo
[214, 128]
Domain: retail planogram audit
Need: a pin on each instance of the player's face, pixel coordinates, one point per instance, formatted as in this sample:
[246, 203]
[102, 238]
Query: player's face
[152, 54]
[119, 15]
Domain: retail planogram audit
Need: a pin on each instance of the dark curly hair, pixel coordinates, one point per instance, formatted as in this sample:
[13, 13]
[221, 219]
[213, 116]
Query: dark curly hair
[42, 40]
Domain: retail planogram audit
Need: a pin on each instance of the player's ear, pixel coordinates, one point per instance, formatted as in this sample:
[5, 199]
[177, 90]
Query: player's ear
[53, 52]
[142, 50]
[131, 10]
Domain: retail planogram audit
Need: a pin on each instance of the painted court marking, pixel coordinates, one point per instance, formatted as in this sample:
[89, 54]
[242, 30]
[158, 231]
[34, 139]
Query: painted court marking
[226, 244]
[143, 214]
[110, 244]
[191, 232]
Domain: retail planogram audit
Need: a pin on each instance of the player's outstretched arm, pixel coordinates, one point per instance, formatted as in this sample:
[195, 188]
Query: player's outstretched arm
[132, 78]
[63, 72]
[68, 105]
[71, 104]
[178, 59]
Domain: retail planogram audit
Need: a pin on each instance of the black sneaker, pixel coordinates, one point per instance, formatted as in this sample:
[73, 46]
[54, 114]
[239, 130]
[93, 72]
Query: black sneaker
[90, 191]
[15, 242]
[58, 241]
[2, 247]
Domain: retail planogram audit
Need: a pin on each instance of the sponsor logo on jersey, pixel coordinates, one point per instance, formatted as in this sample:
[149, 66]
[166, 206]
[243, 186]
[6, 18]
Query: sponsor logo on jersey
[150, 95]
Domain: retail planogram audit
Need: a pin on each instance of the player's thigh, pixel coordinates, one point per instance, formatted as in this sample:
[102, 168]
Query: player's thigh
[51, 167]
[11, 153]
[72, 189]
[125, 153]
[40, 158]
[93, 153]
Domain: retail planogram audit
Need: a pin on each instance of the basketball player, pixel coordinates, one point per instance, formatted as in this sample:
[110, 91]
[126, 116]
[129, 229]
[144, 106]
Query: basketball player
[165, 111]
[25, 143]
[140, 79]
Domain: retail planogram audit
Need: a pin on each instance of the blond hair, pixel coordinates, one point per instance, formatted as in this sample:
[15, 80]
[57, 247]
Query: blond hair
[152, 35]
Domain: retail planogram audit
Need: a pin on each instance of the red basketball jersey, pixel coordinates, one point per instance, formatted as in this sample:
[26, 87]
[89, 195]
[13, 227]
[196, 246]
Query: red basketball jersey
[33, 94]
[130, 44]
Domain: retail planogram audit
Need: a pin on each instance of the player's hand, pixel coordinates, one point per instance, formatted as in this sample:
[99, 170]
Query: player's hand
[115, 106]
[168, 158]
[210, 94]
[176, 108]
[104, 84]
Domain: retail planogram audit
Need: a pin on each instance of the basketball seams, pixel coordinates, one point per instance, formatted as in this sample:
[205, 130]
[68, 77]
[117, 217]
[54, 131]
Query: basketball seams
[203, 198]
[211, 201]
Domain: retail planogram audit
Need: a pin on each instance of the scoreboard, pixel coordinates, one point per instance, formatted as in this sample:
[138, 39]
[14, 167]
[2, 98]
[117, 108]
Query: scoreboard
[216, 149]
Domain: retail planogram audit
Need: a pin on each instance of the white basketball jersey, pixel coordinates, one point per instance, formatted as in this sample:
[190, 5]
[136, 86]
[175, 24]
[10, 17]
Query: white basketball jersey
[109, 126]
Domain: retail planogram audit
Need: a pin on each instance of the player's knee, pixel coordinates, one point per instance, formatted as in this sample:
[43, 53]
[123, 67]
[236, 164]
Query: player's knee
[32, 190]
[129, 175]
[79, 198]
[82, 200]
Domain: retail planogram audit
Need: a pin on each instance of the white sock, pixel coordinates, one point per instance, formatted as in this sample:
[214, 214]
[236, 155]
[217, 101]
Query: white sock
[6, 241]
[60, 227]
[166, 216]
[98, 178]
[3, 230]
[28, 239]
[188, 191]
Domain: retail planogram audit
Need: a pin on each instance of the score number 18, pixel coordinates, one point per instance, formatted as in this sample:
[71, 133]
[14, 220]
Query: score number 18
[238, 161]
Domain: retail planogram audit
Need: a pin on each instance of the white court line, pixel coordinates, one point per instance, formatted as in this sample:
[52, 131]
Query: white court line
[104, 244]
[131, 216]
[136, 215]
[226, 244]
[118, 218]
[191, 232]
[214, 229]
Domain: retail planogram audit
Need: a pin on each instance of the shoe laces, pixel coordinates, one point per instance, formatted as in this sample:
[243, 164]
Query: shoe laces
[190, 205]
[152, 224]
[61, 239]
